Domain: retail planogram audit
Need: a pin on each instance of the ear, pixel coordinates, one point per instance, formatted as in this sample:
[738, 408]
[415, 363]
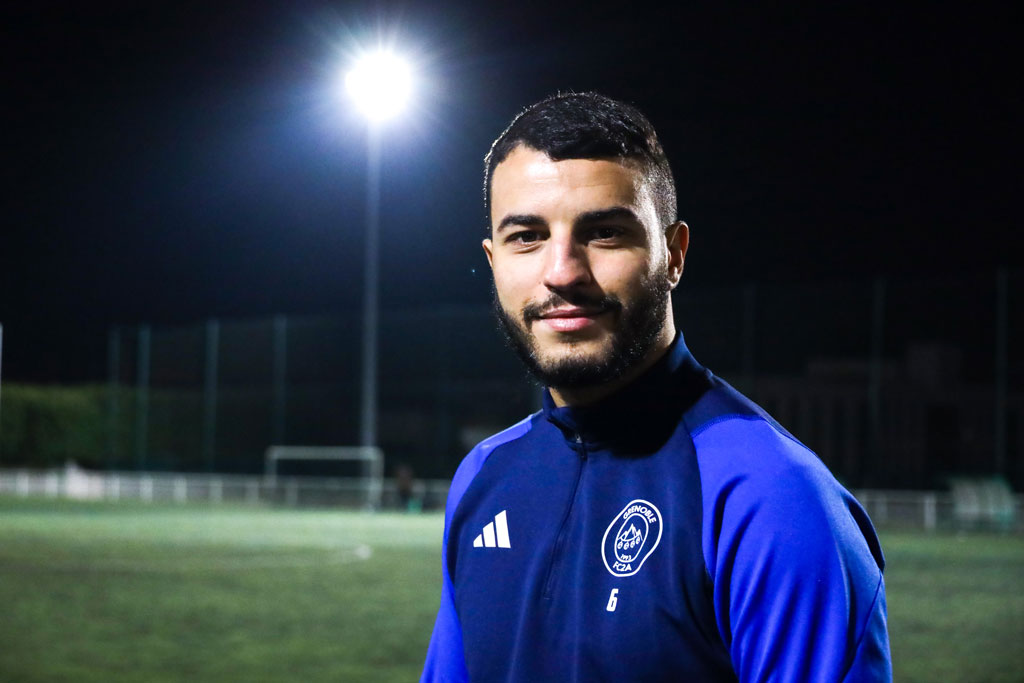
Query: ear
[487, 250]
[677, 239]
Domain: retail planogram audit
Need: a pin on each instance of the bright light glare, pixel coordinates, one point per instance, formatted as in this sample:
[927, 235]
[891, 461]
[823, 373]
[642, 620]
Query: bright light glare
[380, 83]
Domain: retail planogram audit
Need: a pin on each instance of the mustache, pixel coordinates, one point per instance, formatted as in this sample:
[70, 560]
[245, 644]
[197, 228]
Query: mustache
[535, 311]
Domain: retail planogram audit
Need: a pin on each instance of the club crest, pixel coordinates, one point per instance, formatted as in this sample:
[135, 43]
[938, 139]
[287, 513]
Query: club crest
[631, 538]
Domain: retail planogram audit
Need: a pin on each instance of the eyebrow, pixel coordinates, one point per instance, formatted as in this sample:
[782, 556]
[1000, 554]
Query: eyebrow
[613, 213]
[596, 216]
[525, 219]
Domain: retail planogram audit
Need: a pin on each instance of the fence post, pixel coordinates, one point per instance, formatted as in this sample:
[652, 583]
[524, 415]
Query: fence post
[882, 508]
[142, 399]
[1002, 315]
[1, 384]
[210, 393]
[113, 373]
[875, 380]
[443, 381]
[280, 370]
[749, 320]
[929, 512]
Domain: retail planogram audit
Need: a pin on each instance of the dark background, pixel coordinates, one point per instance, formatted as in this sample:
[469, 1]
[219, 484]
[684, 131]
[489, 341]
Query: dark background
[169, 162]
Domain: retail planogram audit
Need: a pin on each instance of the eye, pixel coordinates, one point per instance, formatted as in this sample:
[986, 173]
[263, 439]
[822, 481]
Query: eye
[523, 237]
[605, 232]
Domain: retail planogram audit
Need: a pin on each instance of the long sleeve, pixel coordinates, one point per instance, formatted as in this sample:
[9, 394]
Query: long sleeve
[445, 660]
[795, 564]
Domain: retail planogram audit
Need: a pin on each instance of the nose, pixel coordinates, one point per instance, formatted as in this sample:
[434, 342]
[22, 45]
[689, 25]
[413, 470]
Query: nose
[566, 263]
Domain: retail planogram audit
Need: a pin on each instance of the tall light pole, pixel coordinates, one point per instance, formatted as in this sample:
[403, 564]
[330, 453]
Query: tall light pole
[379, 84]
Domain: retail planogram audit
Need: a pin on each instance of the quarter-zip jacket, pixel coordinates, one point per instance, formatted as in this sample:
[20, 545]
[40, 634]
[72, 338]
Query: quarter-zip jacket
[672, 532]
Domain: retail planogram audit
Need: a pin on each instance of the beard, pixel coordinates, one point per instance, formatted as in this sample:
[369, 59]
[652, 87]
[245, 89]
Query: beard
[640, 323]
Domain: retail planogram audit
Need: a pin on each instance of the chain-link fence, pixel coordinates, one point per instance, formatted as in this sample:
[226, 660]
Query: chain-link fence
[212, 397]
[893, 383]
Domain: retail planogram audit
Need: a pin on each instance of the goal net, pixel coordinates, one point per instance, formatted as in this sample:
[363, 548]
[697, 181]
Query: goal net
[370, 460]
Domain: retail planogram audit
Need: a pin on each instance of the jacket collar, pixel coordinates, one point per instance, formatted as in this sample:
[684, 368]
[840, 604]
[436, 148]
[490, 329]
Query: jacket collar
[641, 415]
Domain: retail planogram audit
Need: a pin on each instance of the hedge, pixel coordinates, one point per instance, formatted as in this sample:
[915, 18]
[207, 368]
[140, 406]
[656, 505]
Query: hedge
[44, 426]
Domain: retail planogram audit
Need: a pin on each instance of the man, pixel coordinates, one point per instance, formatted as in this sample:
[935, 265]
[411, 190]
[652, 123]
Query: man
[650, 523]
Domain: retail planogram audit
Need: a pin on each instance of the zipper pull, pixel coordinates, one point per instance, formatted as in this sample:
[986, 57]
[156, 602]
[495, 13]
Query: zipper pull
[582, 449]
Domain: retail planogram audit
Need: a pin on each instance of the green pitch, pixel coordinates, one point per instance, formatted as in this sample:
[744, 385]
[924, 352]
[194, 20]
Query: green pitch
[133, 592]
[129, 592]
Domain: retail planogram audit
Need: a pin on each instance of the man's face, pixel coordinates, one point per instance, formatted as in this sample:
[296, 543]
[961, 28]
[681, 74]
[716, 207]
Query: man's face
[582, 269]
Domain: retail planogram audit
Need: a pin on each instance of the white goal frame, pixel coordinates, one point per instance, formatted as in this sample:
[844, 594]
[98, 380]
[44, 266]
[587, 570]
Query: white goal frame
[371, 456]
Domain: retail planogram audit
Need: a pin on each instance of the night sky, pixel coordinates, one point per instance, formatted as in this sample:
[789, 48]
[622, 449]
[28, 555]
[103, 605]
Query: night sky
[168, 162]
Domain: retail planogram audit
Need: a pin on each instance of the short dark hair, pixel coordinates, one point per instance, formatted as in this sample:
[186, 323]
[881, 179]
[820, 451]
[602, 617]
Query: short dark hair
[588, 125]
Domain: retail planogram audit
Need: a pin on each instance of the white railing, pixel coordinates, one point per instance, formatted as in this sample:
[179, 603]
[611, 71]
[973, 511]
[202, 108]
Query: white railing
[931, 510]
[76, 483]
[928, 510]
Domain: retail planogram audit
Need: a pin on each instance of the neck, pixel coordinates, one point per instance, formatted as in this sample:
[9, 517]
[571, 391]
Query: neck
[584, 396]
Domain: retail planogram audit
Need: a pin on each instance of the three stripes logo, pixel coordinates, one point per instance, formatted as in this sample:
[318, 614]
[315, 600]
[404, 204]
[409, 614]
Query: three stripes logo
[495, 533]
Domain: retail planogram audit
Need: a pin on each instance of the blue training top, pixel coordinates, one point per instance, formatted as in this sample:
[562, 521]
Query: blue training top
[674, 531]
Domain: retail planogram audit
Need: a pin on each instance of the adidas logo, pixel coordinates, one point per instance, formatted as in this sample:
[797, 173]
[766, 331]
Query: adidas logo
[495, 534]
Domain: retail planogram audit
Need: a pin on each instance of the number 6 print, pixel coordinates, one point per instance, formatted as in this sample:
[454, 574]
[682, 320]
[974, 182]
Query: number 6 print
[613, 600]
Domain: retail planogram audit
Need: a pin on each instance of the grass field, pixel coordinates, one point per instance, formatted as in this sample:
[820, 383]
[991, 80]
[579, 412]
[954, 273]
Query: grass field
[133, 592]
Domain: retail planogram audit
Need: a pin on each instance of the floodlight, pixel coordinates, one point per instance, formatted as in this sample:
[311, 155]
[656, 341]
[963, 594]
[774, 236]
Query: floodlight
[380, 84]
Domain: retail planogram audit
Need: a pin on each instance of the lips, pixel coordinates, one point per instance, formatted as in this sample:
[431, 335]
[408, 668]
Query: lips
[570, 319]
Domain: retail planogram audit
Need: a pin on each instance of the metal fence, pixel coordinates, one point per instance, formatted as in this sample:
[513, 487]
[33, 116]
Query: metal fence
[911, 510]
[164, 487]
[896, 384]
[940, 510]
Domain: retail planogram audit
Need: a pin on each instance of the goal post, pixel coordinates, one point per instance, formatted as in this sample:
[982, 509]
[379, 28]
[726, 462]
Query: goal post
[371, 457]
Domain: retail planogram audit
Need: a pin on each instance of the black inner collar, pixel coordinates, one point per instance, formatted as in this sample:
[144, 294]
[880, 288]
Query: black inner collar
[641, 416]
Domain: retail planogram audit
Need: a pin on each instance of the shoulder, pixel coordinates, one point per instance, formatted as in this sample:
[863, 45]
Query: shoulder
[787, 548]
[736, 439]
[475, 459]
[755, 475]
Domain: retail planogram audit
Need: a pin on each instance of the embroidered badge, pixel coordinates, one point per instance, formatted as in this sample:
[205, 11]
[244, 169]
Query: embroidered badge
[631, 538]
